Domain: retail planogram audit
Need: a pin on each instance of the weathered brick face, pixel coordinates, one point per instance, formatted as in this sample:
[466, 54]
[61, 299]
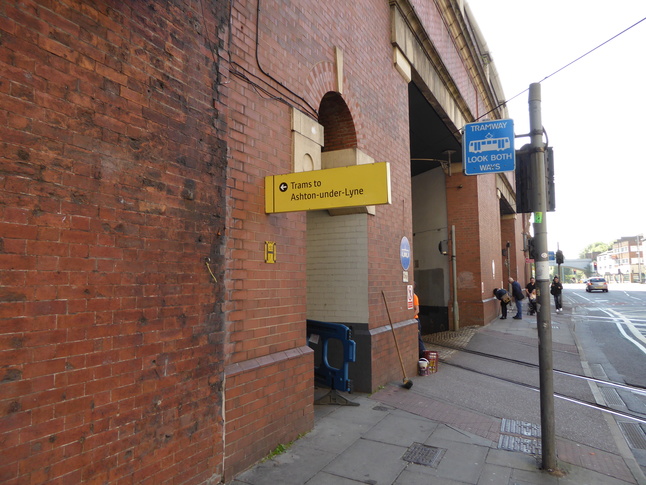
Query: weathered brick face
[473, 208]
[289, 61]
[112, 175]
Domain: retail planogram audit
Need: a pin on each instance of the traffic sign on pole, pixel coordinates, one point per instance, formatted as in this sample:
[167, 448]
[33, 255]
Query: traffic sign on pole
[488, 147]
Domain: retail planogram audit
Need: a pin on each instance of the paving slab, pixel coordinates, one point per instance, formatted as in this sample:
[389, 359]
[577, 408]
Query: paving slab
[296, 466]
[368, 461]
[458, 417]
[494, 475]
[402, 430]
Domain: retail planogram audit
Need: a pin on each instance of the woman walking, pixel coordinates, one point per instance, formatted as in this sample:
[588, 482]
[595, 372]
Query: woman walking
[556, 289]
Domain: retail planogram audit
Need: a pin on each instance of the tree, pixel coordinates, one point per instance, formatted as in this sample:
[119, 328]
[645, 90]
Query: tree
[590, 249]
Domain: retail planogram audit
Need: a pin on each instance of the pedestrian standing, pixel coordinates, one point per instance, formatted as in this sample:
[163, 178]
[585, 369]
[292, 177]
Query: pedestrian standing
[517, 293]
[556, 288]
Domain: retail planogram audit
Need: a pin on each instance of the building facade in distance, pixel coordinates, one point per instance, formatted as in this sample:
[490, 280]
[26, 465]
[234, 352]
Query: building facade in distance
[624, 262]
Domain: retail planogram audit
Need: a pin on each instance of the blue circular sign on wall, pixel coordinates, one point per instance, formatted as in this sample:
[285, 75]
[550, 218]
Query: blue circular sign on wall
[404, 253]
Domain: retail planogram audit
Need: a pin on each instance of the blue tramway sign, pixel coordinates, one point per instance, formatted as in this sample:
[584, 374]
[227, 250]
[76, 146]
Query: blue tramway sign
[488, 147]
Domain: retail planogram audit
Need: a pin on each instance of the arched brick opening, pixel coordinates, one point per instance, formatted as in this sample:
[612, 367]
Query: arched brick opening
[335, 116]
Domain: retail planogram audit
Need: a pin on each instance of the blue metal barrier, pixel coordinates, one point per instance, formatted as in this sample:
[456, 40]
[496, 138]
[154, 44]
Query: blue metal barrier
[319, 334]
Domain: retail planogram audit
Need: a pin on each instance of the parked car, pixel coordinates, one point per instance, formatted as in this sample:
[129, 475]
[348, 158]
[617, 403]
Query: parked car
[596, 283]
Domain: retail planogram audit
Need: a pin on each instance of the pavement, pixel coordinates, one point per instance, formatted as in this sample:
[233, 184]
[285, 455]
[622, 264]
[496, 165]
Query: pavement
[468, 423]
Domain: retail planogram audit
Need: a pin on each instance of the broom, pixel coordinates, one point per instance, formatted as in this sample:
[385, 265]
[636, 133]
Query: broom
[407, 382]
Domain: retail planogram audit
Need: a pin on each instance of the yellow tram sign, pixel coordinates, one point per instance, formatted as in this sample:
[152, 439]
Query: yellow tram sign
[332, 188]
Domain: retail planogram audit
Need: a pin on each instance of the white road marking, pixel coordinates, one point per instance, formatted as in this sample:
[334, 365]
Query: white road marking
[620, 321]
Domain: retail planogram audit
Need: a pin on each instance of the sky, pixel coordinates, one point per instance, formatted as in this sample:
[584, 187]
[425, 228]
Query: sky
[594, 110]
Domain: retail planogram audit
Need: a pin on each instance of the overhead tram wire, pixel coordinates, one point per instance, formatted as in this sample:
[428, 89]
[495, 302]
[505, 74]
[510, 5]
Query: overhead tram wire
[503, 103]
[561, 68]
[592, 50]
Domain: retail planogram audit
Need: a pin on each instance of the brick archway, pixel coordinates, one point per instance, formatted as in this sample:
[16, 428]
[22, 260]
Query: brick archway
[322, 82]
[339, 130]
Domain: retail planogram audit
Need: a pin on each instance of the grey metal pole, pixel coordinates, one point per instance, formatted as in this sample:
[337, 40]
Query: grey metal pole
[456, 308]
[544, 323]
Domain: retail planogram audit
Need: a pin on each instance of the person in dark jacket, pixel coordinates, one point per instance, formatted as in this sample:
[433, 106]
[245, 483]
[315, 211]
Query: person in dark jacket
[504, 298]
[517, 293]
[556, 288]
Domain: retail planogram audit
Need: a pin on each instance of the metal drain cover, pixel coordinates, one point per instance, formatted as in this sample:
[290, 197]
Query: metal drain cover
[424, 455]
[612, 397]
[634, 435]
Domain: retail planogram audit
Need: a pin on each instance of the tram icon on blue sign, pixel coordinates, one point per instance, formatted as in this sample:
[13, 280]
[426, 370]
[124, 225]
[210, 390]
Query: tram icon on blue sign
[489, 144]
[488, 147]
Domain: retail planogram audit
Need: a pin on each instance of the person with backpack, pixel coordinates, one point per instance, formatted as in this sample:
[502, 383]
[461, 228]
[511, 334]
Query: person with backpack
[504, 298]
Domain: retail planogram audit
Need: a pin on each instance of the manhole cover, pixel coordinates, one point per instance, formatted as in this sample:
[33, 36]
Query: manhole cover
[424, 455]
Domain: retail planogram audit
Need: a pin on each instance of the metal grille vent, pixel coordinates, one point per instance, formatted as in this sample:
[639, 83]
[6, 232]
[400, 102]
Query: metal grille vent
[612, 397]
[634, 435]
[424, 455]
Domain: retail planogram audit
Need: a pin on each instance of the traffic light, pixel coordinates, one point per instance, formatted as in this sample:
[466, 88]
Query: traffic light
[526, 181]
[549, 179]
[595, 266]
[531, 248]
[559, 257]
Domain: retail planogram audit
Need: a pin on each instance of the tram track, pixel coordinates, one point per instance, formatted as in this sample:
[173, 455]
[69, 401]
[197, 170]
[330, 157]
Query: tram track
[640, 418]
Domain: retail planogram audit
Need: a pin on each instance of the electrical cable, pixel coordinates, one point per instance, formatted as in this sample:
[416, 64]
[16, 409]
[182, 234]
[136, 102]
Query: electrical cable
[259, 89]
[592, 50]
[304, 101]
[564, 67]
[503, 103]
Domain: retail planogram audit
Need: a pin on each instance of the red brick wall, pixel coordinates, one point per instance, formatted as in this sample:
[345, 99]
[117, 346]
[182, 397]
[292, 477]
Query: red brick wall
[269, 387]
[473, 207]
[294, 66]
[255, 389]
[111, 174]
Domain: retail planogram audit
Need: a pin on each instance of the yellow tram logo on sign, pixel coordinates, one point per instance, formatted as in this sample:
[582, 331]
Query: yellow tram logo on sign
[333, 188]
